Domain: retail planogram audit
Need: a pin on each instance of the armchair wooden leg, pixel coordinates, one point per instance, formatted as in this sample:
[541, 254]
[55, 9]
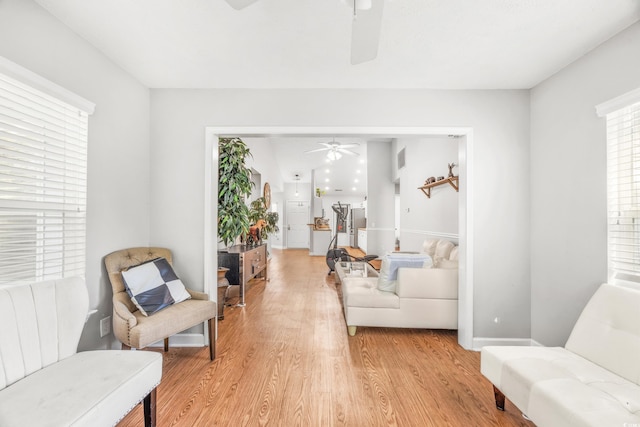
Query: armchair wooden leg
[499, 398]
[125, 347]
[166, 344]
[150, 409]
[212, 339]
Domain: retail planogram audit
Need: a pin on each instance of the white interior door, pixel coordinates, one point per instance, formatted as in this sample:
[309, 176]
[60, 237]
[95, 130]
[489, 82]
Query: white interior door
[297, 217]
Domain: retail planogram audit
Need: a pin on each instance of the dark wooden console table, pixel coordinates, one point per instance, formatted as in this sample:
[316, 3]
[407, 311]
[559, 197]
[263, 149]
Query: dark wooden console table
[244, 263]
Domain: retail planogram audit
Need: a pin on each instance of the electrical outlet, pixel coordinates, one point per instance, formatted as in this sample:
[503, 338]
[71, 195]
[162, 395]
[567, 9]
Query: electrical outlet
[105, 326]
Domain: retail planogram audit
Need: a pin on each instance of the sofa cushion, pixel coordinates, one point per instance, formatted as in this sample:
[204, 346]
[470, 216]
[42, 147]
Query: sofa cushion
[390, 264]
[567, 402]
[447, 263]
[74, 392]
[608, 331]
[429, 283]
[364, 292]
[443, 249]
[526, 375]
[153, 286]
[429, 247]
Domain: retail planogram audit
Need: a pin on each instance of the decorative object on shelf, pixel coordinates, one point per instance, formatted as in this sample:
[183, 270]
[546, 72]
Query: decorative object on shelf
[321, 223]
[254, 238]
[432, 182]
[234, 186]
[451, 166]
[266, 193]
[426, 188]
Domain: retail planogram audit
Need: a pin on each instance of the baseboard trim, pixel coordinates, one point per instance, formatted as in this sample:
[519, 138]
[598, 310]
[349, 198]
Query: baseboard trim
[479, 342]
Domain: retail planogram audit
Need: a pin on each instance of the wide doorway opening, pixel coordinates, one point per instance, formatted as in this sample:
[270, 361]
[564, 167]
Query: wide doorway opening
[465, 214]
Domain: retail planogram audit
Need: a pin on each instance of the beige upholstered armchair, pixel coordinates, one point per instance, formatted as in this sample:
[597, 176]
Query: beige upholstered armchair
[136, 330]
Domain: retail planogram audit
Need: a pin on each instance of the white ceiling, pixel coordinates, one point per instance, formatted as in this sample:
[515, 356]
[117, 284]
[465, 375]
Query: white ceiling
[344, 177]
[447, 44]
[435, 44]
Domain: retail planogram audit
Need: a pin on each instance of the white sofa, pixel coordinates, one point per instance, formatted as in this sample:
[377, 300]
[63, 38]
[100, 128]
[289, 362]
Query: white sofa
[593, 381]
[423, 297]
[45, 382]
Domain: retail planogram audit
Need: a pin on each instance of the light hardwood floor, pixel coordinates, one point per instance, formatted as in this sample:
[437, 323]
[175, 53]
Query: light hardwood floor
[286, 360]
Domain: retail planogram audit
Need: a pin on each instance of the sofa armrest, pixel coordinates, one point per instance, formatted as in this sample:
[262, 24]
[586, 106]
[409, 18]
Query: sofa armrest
[198, 295]
[434, 283]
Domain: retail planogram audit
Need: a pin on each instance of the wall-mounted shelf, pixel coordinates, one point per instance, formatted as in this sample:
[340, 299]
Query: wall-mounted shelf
[426, 188]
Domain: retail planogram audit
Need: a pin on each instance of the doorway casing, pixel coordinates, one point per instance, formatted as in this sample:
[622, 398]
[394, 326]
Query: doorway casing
[465, 211]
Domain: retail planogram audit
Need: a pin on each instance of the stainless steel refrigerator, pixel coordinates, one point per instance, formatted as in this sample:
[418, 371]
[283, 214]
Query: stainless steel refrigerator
[357, 220]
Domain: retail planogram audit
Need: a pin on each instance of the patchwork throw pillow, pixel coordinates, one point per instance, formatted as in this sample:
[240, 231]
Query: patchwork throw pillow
[153, 286]
[390, 264]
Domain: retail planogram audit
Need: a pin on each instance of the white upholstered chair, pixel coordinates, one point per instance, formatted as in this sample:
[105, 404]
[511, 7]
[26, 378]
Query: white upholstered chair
[44, 381]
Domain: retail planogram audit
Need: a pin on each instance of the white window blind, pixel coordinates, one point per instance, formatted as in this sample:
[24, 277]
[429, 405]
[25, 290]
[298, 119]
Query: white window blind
[623, 193]
[43, 175]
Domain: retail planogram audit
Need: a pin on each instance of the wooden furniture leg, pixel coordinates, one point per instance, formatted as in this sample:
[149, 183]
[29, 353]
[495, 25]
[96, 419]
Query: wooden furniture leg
[499, 398]
[166, 344]
[212, 339]
[149, 404]
[125, 347]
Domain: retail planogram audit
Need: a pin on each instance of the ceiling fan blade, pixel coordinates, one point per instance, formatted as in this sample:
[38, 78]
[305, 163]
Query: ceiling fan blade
[348, 145]
[365, 33]
[318, 149]
[328, 145]
[349, 152]
[240, 4]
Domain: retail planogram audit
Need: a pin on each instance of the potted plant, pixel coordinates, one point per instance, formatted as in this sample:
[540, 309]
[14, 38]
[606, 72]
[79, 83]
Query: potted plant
[234, 186]
[259, 215]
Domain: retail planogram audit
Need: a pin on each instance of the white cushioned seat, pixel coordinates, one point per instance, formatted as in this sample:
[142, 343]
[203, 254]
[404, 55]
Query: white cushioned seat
[93, 388]
[593, 381]
[364, 292]
[45, 382]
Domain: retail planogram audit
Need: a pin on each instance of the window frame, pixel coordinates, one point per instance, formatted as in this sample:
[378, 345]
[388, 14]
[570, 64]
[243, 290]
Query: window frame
[43, 172]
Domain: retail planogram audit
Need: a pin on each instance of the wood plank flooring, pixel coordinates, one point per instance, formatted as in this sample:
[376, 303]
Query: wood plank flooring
[286, 360]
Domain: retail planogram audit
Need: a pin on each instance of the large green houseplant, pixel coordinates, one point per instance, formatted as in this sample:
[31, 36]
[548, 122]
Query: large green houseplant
[234, 186]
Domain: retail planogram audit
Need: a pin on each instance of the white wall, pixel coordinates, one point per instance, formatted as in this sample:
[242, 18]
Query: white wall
[500, 122]
[422, 217]
[568, 182]
[263, 160]
[381, 190]
[118, 162]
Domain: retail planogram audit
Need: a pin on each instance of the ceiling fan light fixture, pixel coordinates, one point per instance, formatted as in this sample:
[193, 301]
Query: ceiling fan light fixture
[333, 155]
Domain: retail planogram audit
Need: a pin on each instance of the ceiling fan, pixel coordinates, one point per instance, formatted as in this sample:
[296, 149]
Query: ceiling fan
[335, 150]
[365, 30]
